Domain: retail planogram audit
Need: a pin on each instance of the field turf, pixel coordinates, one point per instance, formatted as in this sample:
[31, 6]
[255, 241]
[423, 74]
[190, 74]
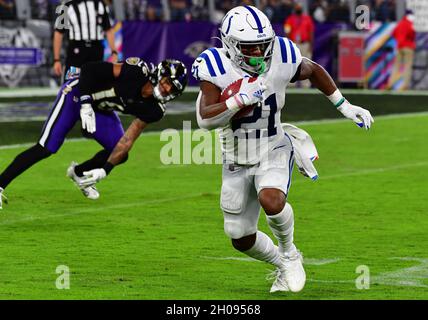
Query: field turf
[157, 230]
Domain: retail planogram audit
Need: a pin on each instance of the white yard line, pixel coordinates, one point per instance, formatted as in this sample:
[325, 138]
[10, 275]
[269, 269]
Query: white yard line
[314, 262]
[404, 277]
[4, 221]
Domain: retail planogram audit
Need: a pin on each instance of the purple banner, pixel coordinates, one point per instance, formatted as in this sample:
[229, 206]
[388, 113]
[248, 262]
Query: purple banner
[155, 41]
[20, 56]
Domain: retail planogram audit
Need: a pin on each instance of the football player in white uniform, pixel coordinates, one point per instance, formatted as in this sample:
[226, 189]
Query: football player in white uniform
[257, 154]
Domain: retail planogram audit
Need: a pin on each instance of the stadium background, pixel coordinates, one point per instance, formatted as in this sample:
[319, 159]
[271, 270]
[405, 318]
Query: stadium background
[182, 29]
[156, 30]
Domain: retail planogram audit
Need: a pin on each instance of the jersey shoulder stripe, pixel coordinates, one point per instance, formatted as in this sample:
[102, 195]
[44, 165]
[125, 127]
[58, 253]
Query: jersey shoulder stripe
[288, 50]
[218, 60]
[283, 50]
[212, 64]
[205, 56]
[293, 51]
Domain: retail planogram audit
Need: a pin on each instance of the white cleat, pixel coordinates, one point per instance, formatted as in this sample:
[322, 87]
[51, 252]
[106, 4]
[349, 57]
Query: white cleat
[90, 192]
[3, 198]
[290, 276]
[279, 283]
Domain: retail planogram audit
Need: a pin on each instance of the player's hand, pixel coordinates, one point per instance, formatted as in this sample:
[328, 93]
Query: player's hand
[92, 177]
[360, 116]
[250, 92]
[57, 67]
[87, 115]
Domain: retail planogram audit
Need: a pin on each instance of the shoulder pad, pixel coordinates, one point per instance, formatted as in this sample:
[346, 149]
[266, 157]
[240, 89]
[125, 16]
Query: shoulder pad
[135, 61]
[289, 52]
[208, 65]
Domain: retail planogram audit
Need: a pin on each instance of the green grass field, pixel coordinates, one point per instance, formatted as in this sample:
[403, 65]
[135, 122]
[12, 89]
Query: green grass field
[157, 231]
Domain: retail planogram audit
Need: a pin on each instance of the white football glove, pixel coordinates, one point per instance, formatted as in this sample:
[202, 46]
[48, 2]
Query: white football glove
[87, 115]
[250, 93]
[360, 116]
[92, 177]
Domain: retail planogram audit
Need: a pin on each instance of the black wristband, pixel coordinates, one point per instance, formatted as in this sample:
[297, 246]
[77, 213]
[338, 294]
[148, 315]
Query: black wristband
[108, 167]
[114, 52]
[57, 60]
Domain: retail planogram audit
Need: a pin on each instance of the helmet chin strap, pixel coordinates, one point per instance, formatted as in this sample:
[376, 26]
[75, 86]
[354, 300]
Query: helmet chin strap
[258, 62]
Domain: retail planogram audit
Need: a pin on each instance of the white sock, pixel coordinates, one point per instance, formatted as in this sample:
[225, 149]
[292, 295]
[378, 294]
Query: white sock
[282, 226]
[264, 250]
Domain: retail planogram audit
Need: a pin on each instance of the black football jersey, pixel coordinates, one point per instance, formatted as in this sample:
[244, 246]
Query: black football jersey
[123, 94]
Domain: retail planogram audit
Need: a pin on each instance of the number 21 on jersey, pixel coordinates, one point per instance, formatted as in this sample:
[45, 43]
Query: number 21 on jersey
[259, 115]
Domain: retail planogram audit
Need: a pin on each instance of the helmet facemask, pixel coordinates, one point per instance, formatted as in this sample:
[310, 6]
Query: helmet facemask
[238, 51]
[255, 64]
[176, 74]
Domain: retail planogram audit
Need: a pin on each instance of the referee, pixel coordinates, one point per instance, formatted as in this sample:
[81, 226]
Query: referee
[88, 23]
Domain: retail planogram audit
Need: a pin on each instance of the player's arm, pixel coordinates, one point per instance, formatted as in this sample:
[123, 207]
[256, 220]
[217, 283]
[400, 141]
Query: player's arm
[94, 77]
[118, 155]
[122, 148]
[320, 78]
[110, 40]
[57, 43]
[213, 114]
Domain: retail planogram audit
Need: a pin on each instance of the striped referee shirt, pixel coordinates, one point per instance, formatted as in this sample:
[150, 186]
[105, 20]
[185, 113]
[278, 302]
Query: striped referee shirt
[86, 20]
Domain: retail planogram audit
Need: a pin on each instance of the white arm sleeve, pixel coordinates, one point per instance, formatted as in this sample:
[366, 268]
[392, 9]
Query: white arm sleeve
[215, 122]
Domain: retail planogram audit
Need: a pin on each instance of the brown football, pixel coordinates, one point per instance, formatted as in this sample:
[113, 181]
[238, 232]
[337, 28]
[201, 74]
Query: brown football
[233, 89]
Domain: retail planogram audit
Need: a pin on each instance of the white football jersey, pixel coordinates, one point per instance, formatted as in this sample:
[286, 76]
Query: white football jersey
[246, 140]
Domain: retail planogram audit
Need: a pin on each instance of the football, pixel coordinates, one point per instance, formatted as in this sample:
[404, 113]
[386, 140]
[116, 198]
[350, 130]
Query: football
[233, 89]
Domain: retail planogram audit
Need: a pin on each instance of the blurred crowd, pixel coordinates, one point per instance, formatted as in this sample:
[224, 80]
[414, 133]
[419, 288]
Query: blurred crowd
[187, 10]
[277, 10]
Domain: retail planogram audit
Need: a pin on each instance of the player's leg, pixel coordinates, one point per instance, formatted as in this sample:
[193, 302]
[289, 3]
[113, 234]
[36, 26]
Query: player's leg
[395, 73]
[60, 121]
[273, 181]
[21, 163]
[280, 218]
[97, 161]
[241, 211]
[408, 55]
[108, 133]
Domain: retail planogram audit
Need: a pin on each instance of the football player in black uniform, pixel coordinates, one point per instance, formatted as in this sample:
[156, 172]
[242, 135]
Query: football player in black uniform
[133, 87]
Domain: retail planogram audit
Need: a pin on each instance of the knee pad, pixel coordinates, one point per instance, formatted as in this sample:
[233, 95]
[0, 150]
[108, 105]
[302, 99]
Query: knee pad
[235, 230]
[231, 200]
